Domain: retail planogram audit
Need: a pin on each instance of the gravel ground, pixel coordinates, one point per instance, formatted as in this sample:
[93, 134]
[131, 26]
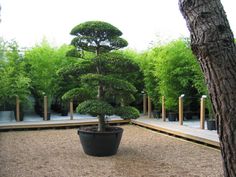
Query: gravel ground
[142, 153]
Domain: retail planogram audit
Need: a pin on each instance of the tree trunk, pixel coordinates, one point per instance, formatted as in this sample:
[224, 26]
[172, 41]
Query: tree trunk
[100, 90]
[101, 123]
[212, 41]
[101, 118]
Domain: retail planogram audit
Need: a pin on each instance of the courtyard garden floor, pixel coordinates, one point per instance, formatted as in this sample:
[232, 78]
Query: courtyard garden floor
[142, 153]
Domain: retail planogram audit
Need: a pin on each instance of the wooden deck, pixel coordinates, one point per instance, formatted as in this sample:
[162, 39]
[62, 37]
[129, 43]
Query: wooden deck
[173, 128]
[195, 134]
[55, 124]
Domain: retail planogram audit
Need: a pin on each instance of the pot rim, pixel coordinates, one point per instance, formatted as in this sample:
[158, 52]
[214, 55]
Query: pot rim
[112, 130]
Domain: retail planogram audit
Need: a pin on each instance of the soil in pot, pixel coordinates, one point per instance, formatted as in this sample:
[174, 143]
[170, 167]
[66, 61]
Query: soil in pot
[100, 143]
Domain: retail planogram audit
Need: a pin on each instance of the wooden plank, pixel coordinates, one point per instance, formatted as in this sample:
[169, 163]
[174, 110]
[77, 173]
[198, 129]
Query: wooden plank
[178, 132]
[53, 124]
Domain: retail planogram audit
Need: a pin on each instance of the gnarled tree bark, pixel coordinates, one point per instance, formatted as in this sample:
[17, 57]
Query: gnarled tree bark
[212, 41]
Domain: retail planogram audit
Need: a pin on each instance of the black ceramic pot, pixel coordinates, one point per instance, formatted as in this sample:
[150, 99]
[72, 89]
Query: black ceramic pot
[64, 112]
[156, 114]
[188, 115]
[172, 116]
[100, 143]
[211, 124]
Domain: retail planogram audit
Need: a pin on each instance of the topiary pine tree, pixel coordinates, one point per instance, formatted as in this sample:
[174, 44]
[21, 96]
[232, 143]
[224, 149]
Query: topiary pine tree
[103, 75]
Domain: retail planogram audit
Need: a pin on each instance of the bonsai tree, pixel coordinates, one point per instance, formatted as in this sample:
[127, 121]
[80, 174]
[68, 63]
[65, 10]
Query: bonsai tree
[103, 75]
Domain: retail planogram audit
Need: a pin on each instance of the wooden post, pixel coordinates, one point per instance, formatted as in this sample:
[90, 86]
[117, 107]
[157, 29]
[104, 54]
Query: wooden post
[202, 113]
[181, 111]
[71, 110]
[144, 104]
[149, 107]
[17, 109]
[163, 109]
[45, 100]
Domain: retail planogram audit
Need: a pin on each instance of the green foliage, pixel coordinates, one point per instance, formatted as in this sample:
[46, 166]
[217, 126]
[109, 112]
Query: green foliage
[146, 77]
[198, 79]
[178, 72]
[108, 72]
[74, 53]
[110, 76]
[73, 71]
[136, 78]
[79, 53]
[127, 112]
[80, 94]
[111, 82]
[115, 63]
[14, 81]
[95, 107]
[209, 107]
[170, 70]
[148, 62]
[43, 62]
[97, 36]
[115, 89]
[97, 29]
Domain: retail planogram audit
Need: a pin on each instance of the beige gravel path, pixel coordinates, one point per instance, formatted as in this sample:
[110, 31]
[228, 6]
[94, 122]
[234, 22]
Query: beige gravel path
[142, 153]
